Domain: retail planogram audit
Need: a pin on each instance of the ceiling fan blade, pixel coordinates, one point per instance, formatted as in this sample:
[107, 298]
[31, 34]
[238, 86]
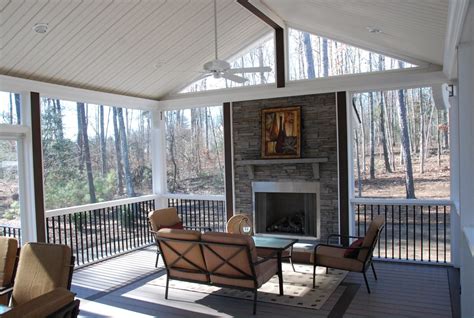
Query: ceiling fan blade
[233, 78]
[250, 69]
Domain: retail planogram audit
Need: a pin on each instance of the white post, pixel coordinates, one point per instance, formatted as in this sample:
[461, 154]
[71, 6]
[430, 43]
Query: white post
[454, 184]
[158, 152]
[466, 161]
[25, 164]
[350, 160]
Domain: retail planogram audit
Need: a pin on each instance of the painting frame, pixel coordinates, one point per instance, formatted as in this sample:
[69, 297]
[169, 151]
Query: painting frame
[281, 132]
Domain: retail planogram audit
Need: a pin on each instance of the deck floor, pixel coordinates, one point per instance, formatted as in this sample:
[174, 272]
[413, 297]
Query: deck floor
[118, 288]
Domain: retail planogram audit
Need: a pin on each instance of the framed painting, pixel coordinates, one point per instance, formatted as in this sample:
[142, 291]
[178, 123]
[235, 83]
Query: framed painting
[281, 132]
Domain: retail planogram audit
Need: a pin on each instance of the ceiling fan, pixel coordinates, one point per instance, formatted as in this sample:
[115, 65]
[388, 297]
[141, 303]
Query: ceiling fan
[222, 69]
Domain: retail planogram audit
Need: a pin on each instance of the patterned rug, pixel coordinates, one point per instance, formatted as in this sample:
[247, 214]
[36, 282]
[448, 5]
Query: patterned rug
[297, 287]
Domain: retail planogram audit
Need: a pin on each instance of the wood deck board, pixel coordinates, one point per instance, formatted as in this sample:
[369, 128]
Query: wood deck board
[119, 287]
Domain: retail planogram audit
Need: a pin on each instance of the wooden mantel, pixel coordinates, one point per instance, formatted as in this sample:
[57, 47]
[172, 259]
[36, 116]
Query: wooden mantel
[250, 164]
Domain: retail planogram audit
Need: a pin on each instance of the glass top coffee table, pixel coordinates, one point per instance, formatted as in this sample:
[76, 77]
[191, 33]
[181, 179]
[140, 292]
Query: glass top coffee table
[278, 245]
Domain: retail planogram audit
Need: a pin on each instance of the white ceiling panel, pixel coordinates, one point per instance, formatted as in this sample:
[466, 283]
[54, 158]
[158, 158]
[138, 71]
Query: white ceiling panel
[138, 48]
[149, 48]
[411, 29]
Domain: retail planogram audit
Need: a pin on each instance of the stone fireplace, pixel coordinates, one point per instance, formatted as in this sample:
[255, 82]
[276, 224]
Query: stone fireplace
[286, 208]
[266, 183]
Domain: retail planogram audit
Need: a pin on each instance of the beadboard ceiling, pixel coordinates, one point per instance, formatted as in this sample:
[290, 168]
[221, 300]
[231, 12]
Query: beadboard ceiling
[147, 48]
[414, 30]
[131, 47]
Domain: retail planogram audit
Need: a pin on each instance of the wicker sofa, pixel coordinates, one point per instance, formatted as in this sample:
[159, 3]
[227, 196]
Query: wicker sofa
[220, 259]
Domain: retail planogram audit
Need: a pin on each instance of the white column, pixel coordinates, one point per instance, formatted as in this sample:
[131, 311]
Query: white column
[25, 163]
[158, 153]
[466, 161]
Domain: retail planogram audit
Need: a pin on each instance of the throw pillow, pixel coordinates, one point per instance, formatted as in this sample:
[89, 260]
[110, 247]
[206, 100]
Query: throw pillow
[352, 250]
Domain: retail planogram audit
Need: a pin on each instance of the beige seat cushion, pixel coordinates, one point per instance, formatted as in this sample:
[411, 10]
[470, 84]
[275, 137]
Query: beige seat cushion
[8, 251]
[334, 257]
[189, 267]
[42, 267]
[163, 218]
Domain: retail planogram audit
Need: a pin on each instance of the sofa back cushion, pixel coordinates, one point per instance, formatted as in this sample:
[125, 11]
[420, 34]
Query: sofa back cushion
[42, 267]
[230, 259]
[182, 251]
[164, 218]
[371, 237]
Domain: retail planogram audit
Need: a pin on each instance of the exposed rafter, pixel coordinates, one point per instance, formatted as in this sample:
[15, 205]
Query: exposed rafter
[279, 41]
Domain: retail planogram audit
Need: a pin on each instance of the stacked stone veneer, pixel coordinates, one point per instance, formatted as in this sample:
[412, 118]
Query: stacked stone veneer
[318, 140]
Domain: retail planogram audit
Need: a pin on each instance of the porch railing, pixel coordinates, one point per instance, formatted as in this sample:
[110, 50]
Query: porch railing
[200, 211]
[10, 231]
[101, 230]
[415, 230]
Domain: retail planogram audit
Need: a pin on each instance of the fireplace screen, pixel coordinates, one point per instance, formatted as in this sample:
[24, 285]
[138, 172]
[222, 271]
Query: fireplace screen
[286, 213]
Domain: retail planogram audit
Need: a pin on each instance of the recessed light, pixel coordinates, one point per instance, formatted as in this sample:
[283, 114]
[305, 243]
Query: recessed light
[373, 29]
[40, 28]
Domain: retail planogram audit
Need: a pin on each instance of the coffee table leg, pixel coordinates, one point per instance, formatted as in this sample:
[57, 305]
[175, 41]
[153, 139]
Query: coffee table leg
[280, 271]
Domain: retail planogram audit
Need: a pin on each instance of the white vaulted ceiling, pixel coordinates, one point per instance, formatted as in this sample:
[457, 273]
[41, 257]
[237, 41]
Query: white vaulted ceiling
[138, 48]
[411, 29]
[149, 48]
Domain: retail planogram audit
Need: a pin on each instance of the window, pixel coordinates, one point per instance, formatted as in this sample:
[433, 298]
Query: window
[259, 54]
[400, 145]
[94, 153]
[9, 181]
[195, 150]
[312, 56]
[10, 105]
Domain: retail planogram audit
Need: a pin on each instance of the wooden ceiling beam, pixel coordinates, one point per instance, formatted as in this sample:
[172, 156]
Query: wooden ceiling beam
[279, 41]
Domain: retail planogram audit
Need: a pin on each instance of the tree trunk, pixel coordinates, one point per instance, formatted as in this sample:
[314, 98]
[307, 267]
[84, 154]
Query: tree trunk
[87, 154]
[124, 146]
[372, 136]
[118, 152]
[18, 107]
[388, 168]
[103, 146]
[422, 133]
[308, 51]
[80, 138]
[446, 130]
[405, 141]
[325, 58]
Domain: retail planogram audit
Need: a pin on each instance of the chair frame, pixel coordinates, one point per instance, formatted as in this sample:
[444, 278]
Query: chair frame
[150, 229]
[367, 262]
[208, 245]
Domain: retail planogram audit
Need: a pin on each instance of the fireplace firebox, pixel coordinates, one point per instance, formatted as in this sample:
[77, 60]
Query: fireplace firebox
[286, 208]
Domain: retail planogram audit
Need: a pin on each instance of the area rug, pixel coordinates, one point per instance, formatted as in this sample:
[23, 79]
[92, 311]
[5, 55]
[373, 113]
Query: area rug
[297, 287]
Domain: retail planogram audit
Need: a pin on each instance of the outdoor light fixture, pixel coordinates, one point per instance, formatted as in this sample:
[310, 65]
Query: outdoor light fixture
[40, 28]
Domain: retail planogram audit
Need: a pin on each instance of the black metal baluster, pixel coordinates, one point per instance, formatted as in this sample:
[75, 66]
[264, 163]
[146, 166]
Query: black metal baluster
[393, 232]
[385, 230]
[82, 236]
[65, 229]
[54, 230]
[86, 214]
[96, 236]
[429, 233]
[358, 219]
[47, 230]
[437, 234]
[59, 229]
[414, 232]
[400, 232]
[365, 219]
[406, 225]
[114, 234]
[421, 239]
[444, 232]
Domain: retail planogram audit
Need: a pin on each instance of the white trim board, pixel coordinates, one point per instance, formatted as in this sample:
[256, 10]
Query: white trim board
[394, 79]
[16, 84]
[456, 16]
